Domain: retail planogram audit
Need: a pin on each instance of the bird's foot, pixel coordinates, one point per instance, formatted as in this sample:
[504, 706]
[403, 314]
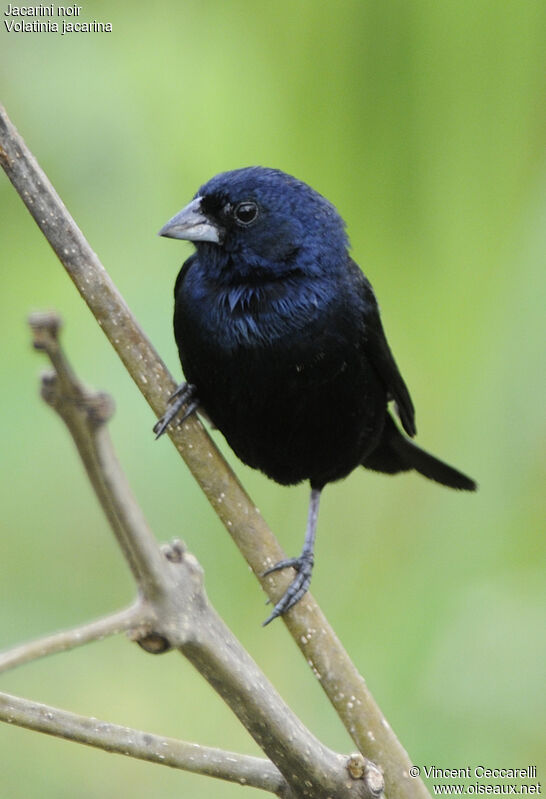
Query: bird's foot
[297, 588]
[184, 398]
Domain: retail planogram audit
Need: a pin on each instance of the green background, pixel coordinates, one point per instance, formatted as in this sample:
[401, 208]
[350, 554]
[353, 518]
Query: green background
[423, 122]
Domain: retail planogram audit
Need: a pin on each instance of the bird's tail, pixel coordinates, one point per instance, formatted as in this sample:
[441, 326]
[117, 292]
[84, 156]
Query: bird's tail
[395, 453]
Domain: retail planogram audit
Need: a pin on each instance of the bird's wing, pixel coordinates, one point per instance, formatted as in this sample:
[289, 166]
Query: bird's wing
[379, 353]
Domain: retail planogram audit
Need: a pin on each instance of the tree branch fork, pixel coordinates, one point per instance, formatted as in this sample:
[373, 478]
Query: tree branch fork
[172, 610]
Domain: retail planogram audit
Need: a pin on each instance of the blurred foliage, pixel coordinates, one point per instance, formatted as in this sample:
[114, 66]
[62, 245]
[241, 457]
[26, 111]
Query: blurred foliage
[423, 122]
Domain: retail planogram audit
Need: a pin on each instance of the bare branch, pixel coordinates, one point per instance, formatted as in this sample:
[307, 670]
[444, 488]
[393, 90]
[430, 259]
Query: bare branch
[175, 611]
[244, 769]
[85, 413]
[340, 679]
[115, 623]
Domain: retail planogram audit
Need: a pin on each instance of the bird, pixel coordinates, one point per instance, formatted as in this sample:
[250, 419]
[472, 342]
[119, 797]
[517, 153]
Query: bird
[282, 346]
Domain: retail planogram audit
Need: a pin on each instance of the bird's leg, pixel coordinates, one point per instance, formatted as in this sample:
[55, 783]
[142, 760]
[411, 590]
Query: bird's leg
[183, 398]
[303, 564]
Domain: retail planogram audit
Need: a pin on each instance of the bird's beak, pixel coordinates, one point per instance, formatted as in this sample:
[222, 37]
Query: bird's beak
[190, 223]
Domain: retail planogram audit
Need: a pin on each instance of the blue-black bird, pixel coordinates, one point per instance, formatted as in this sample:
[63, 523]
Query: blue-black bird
[282, 345]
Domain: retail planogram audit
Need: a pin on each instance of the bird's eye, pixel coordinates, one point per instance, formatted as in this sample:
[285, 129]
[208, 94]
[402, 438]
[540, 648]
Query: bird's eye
[245, 213]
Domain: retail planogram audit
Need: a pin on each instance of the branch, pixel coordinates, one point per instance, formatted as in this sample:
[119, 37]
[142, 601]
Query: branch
[340, 679]
[85, 414]
[114, 624]
[174, 610]
[244, 769]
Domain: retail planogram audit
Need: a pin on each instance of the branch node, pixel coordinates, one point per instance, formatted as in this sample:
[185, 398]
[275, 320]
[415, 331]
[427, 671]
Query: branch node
[100, 407]
[374, 779]
[361, 769]
[153, 643]
[62, 386]
[45, 328]
[356, 765]
[4, 159]
[175, 551]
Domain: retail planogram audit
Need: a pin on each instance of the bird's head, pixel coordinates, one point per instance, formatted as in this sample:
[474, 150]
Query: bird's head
[261, 223]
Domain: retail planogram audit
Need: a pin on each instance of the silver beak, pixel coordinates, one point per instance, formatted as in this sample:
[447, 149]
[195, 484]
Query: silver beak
[190, 223]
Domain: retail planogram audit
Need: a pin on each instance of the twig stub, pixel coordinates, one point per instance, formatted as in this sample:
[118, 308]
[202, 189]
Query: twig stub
[45, 328]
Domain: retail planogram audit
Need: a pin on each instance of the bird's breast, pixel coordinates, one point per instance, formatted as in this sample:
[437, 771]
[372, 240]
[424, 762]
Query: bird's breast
[267, 312]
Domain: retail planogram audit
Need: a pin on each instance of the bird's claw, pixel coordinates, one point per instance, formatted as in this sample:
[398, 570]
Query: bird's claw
[297, 588]
[183, 398]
